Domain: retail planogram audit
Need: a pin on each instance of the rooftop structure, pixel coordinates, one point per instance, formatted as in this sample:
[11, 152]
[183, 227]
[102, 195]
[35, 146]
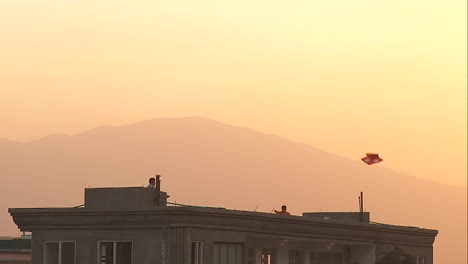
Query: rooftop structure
[15, 250]
[127, 226]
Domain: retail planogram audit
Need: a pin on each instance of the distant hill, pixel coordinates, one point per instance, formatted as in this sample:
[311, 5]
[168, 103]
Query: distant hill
[205, 162]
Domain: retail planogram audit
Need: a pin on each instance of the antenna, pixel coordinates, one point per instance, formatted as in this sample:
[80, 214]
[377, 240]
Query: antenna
[361, 207]
[359, 198]
[362, 202]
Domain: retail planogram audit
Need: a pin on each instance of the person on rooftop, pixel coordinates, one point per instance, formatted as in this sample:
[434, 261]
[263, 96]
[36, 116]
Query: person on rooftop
[152, 183]
[283, 211]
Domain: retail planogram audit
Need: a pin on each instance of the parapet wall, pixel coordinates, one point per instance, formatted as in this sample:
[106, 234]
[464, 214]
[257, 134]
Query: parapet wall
[349, 217]
[122, 198]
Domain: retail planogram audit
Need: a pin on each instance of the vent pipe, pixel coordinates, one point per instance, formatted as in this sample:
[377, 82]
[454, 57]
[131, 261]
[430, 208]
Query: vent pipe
[158, 190]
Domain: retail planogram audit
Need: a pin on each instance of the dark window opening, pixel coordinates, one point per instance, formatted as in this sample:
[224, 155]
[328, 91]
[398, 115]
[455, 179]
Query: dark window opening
[228, 253]
[59, 252]
[115, 252]
[197, 252]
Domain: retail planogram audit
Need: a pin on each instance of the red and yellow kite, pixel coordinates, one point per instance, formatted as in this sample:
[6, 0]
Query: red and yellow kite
[371, 158]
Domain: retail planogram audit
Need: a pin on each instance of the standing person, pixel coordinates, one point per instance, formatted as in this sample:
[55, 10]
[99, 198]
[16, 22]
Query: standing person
[152, 183]
[283, 211]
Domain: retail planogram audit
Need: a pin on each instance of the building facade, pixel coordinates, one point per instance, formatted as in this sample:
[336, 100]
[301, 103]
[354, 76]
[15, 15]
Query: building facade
[124, 226]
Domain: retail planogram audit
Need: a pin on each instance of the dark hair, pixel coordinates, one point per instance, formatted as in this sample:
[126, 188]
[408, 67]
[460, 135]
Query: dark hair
[152, 180]
[283, 206]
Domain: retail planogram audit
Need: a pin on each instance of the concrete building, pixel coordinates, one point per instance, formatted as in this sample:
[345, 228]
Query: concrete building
[126, 226]
[15, 250]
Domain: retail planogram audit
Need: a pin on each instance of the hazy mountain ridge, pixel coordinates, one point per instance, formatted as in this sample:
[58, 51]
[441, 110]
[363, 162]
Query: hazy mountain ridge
[64, 139]
[206, 162]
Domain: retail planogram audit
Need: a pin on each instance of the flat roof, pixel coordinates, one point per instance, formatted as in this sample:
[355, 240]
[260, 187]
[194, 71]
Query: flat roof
[210, 210]
[14, 244]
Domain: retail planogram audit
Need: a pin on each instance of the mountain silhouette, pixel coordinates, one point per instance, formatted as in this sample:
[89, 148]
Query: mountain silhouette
[204, 162]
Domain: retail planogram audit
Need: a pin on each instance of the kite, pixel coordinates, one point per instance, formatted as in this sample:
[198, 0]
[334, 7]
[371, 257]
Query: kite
[372, 158]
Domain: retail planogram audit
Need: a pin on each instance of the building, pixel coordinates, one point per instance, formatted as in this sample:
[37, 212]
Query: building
[126, 226]
[15, 250]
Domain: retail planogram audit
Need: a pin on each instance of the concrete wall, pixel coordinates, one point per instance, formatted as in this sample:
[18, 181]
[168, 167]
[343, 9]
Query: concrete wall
[115, 198]
[169, 245]
[415, 250]
[169, 231]
[146, 243]
[172, 245]
[349, 217]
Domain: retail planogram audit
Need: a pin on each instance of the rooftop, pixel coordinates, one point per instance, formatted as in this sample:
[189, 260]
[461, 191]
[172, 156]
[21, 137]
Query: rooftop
[14, 244]
[135, 207]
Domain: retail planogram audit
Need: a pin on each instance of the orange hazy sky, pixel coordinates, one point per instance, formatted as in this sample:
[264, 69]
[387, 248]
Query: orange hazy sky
[349, 77]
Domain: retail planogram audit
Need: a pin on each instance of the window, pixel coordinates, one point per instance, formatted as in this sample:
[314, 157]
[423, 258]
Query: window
[296, 257]
[115, 252]
[419, 259]
[313, 258]
[268, 256]
[59, 252]
[227, 253]
[292, 256]
[197, 252]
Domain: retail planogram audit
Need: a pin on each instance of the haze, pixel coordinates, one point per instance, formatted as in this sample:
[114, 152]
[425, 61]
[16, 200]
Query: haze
[346, 76]
[204, 162]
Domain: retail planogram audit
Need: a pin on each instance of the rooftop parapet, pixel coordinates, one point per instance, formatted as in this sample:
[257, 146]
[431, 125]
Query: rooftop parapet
[122, 198]
[349, 217]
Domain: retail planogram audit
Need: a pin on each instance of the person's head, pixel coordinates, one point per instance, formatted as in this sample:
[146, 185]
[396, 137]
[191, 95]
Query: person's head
[152, 181]
[283, 208]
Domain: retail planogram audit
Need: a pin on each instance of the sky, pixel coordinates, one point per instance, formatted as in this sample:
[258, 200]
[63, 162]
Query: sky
[349, 77]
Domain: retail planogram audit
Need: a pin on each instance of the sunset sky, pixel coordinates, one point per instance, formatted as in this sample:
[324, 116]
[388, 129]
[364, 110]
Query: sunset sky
[349, 77]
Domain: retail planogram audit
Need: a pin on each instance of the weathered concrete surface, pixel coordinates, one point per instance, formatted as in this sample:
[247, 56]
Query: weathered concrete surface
[164, 235]
[129, 197]
[177, 226]
[353, 217]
